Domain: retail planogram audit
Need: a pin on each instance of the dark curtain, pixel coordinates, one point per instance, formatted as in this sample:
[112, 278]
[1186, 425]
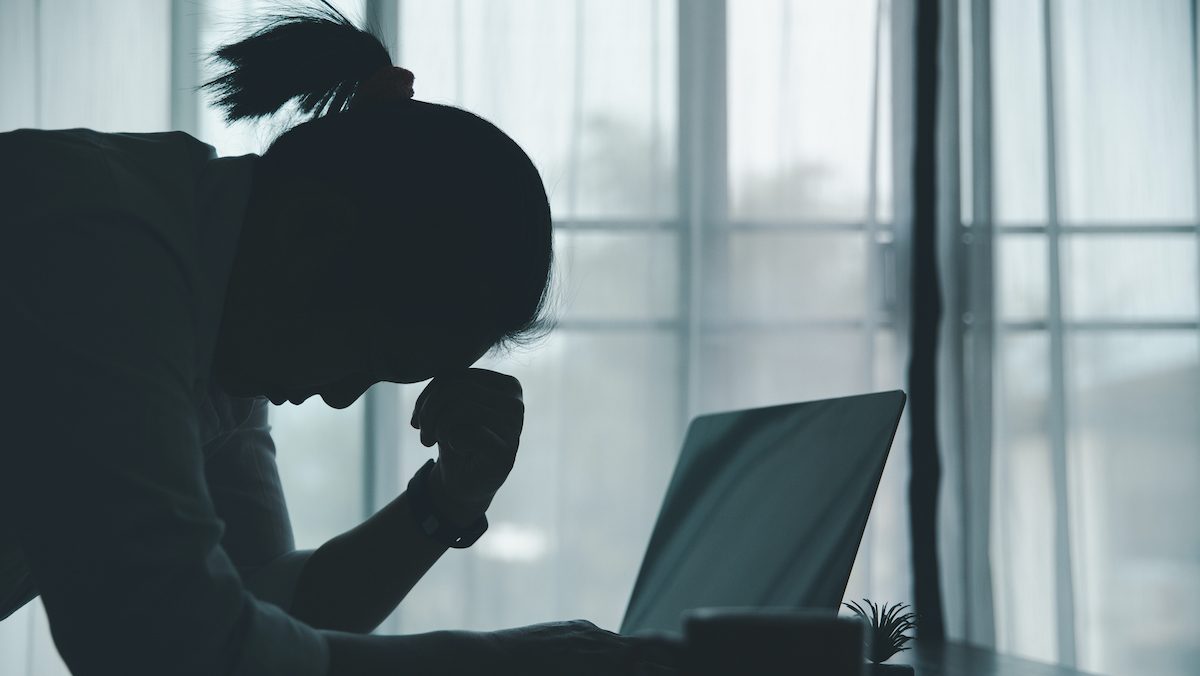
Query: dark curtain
[926, 315]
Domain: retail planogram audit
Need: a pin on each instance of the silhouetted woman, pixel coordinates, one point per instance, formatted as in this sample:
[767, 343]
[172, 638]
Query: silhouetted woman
[155, 296]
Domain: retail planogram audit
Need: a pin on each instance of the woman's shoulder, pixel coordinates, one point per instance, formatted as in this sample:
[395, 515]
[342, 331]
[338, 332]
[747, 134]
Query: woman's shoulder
[84, 139]
[67, 166]
[48, 171]
[108, 219]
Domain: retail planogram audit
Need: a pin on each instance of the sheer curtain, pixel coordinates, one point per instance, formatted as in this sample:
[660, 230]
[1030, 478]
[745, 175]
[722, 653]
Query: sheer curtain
[1076, 263]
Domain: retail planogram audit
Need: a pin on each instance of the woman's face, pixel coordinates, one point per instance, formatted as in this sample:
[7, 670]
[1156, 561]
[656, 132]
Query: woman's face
[339, 358]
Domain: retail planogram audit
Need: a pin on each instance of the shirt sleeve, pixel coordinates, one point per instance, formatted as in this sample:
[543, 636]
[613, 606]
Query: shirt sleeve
[101, 471]
[243, 480]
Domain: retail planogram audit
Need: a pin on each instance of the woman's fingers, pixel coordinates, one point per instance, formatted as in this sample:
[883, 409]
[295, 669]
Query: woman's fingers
[493, 404]
[469, 404]
[478, 448]
[506, 425]
[490, 380]
[580, 648]
[475, 417]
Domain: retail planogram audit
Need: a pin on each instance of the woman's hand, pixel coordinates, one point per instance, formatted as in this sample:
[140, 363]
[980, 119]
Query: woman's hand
[580, 648]
[475, 417]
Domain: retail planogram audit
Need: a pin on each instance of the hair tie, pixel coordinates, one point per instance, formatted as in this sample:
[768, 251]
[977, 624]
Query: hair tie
[390, 83]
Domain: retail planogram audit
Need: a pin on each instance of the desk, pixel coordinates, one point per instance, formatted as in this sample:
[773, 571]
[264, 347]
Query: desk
[961, 659]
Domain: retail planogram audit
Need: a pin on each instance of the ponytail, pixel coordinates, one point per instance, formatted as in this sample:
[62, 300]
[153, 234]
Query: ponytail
[315, 55]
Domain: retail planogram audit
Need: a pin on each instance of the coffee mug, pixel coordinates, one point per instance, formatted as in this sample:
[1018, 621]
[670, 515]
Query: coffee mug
[771, 642]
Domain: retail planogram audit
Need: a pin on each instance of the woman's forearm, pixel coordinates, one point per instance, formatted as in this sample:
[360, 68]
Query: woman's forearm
[577, 648]
[439, 653]
[355, 580]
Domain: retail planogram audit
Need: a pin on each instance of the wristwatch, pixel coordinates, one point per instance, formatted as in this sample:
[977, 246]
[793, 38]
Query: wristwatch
[434, 524]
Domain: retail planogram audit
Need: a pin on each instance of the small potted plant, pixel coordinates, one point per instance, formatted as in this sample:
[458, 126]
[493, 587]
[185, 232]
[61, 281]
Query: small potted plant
[885, 635]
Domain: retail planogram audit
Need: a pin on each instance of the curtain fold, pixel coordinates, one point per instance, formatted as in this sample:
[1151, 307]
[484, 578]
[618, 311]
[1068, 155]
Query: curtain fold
[964, 357]
[924, 483]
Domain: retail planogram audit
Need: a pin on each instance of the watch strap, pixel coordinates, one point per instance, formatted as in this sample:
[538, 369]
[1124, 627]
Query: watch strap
[434, 524]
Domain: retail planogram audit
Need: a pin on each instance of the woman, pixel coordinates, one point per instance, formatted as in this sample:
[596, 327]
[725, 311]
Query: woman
[156, 296]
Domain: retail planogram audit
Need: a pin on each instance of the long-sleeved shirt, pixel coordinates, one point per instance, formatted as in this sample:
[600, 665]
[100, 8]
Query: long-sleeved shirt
[139, 500]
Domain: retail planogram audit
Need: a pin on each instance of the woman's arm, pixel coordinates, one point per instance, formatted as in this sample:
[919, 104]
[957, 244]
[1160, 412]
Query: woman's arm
[354, 581]
[351, 583]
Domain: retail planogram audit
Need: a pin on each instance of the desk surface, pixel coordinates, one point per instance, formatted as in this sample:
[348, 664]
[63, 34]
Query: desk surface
[960, 659]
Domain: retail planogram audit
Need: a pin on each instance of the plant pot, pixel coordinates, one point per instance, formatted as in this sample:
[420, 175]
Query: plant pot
[888, 670]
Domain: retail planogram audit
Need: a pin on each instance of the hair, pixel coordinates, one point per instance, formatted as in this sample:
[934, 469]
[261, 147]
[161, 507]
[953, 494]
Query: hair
[434, 177]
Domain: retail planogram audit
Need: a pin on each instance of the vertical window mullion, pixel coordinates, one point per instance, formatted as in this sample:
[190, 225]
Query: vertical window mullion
[1064, 582]
[875, 257]
[875, 244]
[458, 52]
[1195, 34]
[574, 160]
[382, 400]
[655, 109]
[384, 16]
[978, 336]
[383, 464]
[185, 70]
[703, 186]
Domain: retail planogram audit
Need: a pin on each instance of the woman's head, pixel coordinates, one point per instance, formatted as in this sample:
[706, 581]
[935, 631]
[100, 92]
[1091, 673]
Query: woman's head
[393, 240]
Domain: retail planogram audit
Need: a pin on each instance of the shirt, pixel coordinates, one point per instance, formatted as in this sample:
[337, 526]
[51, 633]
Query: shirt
[137, 498]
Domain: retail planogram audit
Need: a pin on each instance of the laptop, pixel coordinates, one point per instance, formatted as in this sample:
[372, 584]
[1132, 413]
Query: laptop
[766, 508]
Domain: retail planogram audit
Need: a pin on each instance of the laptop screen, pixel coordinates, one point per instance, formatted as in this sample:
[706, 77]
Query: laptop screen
[766, 508]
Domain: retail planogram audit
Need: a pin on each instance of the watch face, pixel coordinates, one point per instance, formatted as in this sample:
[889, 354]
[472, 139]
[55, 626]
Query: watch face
[428, 520]
[429, 525]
